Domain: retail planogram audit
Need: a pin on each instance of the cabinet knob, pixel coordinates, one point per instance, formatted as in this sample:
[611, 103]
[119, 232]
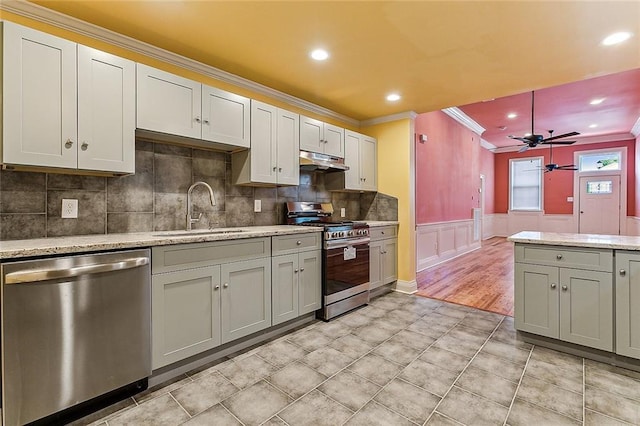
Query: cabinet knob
[274, 168]
[553, 285]
[623, 272]
[197, 119]
[295, 271]
[280, 169]
[205, 121]
[301, 269]
[559, 256]
[217, 287]
[382, 232]
[298, 242]
[84, 146]
[564, 288]
[225, 285]
[68, 144]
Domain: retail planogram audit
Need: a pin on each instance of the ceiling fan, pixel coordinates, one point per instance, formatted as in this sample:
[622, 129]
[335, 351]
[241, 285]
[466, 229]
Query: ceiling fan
[533, 140]
[553, 166]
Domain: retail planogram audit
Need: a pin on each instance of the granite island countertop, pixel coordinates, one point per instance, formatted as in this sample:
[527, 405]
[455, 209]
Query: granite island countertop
[376, 223]
[75, 244]
[617, 242]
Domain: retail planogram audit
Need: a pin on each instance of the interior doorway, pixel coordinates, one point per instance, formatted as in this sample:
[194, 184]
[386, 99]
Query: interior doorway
[599, 208]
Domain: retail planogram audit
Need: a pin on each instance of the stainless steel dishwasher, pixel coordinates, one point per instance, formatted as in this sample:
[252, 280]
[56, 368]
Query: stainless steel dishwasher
[73, 328]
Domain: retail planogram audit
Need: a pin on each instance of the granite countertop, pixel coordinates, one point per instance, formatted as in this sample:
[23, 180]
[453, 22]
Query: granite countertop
[89, 243]
[621, 242]
[376, 223]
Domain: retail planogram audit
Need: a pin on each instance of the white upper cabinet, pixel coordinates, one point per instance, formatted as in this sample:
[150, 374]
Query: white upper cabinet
[39, 96]
[106, 111]
[275, 145]
[65, 105]
[174, 105]
[325, 138]
[360, 154]
[168, 103]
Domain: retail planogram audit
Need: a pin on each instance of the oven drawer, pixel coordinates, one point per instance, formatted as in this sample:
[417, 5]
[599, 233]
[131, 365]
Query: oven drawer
[382, 232]
[288, 244]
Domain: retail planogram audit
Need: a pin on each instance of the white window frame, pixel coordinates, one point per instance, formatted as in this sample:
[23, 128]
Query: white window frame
[540, 183]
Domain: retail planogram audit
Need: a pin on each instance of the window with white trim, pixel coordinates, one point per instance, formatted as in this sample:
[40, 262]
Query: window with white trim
[600, 162]
[525, 184]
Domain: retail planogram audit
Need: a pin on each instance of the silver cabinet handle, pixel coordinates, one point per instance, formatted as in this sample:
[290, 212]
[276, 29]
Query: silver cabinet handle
[553, 285]
[280, 169]
[623, 272]
[382, 232]
[217, 287]
[274, 168]
[301, 269]
[295, 271]
[53, 274]
[205, 121]
[558, 256]
[564, 288]
[225, 285]
[84, 146]
[68, 144]
[298, 242]
[197, 119]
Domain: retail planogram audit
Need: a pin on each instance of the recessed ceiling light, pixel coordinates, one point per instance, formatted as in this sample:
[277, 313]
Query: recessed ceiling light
[512, 115]
[393, 97]
[596, 101]
[593, 126]
[616, 38]
[319, 54]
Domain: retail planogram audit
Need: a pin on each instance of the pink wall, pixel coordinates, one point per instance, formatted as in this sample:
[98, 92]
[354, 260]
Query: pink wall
[637, 176]
[448, 168]
[558, 185]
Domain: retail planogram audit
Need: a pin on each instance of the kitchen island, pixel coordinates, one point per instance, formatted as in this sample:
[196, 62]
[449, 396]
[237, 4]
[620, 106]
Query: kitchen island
[579, 293]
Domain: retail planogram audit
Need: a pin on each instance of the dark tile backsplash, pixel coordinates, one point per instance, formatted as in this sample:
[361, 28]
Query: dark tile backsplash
[155, 198]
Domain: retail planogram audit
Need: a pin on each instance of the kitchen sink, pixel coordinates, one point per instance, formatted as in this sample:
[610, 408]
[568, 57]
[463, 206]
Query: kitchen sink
[196, 232]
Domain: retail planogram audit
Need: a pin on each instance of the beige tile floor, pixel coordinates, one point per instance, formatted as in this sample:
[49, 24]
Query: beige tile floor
[402, 360]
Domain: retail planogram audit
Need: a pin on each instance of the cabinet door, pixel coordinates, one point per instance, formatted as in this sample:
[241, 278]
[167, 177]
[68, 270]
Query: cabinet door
[284, 288]
[39, 97]
[263, 143]
[246, 298]
[376, 264]
[185, 314]
[225, 117]
[368, 163]
[106, 111]
[168, 103]
[333, 140]
[352, 177]
[311, 134]
[536, 299]
[586, 308]
[310, 281]
[288, 148]
[628, 304]
[390, 261]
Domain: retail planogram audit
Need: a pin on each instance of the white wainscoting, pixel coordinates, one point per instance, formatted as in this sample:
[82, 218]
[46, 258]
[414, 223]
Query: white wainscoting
[633, 226]
[503, 225]
[438, 242]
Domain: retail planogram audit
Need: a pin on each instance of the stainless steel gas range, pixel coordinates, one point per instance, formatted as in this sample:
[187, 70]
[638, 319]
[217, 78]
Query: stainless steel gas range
[345, 257]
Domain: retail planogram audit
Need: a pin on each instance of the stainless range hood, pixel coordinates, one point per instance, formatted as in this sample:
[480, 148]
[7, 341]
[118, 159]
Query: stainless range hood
[313, 161]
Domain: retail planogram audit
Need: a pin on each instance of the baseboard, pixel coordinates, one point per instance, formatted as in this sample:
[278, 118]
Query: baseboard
[406, 287]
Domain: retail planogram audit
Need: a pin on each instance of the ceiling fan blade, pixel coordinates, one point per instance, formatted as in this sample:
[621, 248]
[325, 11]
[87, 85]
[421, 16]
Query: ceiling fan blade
[566, 135]
[547, 142]
[519, 139]
[524, 148]
[567, 167]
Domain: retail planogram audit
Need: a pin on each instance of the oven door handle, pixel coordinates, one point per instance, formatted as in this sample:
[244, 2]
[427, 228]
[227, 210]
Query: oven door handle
[349, 243]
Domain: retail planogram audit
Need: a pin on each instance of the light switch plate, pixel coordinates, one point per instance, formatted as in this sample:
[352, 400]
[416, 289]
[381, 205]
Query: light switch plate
[343, 212]
[569, 199]
[69, 208]
[257, 206]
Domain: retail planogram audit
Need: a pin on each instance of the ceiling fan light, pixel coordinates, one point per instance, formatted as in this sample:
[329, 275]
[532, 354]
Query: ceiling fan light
[593, 126]
[596, 101]
[616, 38]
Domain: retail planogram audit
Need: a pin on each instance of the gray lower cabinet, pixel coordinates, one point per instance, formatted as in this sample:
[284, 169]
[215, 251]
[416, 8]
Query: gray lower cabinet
[572, 302]
[627, 279]
[383, 256]
[297, 277]
[207, 294]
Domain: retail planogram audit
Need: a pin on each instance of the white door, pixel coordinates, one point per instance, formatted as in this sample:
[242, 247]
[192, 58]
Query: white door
[333, 140]
[225, 117]
[368, 163]
[352, 178]
[263, 141]
[39, 96]
[106, 111]
[599, 205]
[288, 148]
[311, 134]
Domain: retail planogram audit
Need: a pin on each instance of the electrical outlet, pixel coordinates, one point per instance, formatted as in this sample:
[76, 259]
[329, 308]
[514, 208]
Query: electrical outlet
[69, 208]
[257, 206]
[343, 212]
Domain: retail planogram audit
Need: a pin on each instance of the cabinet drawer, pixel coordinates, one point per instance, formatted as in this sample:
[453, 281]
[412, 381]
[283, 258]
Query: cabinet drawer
[287, 244]
[382, 232]
[579, 258]
[187, 256]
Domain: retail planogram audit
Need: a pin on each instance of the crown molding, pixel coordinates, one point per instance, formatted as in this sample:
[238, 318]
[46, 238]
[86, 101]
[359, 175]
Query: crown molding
[635, 130]
[487, 145]
[48, 16]
[464, 119]
[387, 118]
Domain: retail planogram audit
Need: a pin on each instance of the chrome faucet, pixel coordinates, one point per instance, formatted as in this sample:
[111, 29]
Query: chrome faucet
[190, 219]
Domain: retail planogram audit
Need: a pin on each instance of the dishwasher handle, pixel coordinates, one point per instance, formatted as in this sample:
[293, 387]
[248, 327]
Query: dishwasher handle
[37, 275]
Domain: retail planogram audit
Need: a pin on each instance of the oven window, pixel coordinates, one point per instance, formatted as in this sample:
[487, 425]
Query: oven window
[341, 274]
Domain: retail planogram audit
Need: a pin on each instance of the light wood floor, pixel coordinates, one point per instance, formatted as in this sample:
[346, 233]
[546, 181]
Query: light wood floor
[482, 279]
